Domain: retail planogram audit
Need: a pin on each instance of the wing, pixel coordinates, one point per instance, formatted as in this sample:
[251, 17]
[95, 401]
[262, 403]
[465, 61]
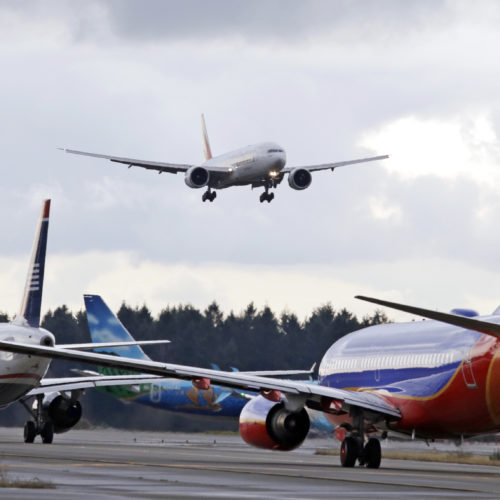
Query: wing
[314, 396]
[452, 319]
[78, 383]
[160, 167]
[98, 345]
[326, 166]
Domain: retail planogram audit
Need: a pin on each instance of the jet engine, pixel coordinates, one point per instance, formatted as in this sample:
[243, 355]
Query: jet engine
[63, 412]
[196, 177]
[299, 178]
[270, 425]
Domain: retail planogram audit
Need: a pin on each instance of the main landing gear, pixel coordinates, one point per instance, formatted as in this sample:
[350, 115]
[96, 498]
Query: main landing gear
[41, 425]
[266, 195]
[209, 195]
[354, 447]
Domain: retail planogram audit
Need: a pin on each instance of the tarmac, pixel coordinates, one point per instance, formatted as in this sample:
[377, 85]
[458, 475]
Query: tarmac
[112, 464]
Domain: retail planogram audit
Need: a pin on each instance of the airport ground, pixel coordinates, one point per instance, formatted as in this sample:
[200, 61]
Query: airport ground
[112, 464]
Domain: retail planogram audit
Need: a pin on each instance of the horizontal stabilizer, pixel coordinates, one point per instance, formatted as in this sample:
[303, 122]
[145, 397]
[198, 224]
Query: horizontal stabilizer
[452, 319]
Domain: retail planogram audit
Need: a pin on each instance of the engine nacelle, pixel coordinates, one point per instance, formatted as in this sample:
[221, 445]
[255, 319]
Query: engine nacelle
[269, 425]
[299, 178]
[197, 177]
[64, 413]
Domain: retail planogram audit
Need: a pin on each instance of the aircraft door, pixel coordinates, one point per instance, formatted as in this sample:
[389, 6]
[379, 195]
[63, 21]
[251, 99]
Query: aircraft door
[155, 393]
[468, 373]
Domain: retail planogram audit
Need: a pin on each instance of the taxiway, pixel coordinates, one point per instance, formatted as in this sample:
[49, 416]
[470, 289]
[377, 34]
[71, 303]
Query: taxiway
[110, 464]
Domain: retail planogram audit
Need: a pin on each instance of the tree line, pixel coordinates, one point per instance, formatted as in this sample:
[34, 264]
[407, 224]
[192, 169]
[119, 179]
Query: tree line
[254, 339]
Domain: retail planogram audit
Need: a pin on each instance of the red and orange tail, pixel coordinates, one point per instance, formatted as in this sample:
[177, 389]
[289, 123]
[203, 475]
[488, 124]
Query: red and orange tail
[206, 145]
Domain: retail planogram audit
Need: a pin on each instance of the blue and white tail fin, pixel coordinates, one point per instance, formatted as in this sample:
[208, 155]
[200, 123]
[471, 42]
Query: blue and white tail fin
[104, 326]
[29, 313]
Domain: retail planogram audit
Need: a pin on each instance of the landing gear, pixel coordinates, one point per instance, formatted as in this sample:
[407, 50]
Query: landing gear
[354, 448]
[349, 451]
[47, 433]
[372, 453]
[29, 431]
[266, 195]
[209, 195]
[41, 425]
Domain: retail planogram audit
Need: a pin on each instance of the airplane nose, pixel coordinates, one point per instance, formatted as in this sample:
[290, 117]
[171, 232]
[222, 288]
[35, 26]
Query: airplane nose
[279, 161]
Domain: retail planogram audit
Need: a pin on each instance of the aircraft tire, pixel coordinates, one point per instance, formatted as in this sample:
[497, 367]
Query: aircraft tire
[263, 197]
[213, 196]
[372, 453]
[47, 433]
[270, 197]
[349, 451]
[29, 431]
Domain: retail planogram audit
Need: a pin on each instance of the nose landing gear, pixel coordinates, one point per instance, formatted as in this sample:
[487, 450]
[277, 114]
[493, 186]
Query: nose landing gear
[209, 195]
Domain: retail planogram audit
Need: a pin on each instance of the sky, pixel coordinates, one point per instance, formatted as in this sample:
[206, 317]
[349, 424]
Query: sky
[328, 81]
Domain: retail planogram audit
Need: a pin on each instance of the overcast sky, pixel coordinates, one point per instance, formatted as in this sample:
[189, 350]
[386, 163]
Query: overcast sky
[328, 81]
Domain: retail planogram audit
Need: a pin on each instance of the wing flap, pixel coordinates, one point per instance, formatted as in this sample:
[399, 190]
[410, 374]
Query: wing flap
[76, 383]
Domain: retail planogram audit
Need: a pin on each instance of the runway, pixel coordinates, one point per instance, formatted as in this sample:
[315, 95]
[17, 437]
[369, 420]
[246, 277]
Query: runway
[110, 464]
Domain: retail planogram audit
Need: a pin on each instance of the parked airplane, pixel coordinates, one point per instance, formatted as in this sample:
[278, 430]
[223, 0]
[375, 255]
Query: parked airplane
[56, 408]
[258, 165]
[172, 394]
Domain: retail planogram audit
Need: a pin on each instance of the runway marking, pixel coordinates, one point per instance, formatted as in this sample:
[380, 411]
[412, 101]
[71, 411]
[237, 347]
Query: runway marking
[82, 462]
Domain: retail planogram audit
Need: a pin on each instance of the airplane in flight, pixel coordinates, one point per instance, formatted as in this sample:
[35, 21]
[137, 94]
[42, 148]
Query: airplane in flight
[426, 379]
[258, 165]
[56, 407]
[172, 394]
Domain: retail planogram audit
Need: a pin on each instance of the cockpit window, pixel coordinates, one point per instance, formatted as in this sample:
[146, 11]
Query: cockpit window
[275, 151]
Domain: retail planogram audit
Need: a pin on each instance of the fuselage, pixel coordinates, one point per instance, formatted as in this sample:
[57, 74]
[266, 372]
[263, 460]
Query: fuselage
[248, 164]
[444, 379]
[180, 395]
[20, 373]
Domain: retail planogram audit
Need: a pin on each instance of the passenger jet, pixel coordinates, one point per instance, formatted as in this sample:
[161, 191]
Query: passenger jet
[56, 407]
[258, 165]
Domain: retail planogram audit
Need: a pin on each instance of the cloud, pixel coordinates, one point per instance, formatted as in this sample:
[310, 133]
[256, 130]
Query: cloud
[327, 80]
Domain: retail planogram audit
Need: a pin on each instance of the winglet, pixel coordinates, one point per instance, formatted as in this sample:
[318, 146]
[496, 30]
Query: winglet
[29, 312]
[206, 145]
[452, 319]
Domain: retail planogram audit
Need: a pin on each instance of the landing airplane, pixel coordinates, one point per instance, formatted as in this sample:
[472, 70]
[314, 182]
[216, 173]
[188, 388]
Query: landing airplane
[172, 394]
[56, 408]
[429, 379]
[258, 165]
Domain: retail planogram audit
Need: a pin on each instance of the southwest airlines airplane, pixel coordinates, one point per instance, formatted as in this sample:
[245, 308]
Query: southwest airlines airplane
[258, 165]
[428, 379]
[56, 407]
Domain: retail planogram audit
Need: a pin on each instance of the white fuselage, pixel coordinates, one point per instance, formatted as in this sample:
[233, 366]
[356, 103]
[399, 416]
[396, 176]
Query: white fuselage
[249, 164]
[20, 373]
